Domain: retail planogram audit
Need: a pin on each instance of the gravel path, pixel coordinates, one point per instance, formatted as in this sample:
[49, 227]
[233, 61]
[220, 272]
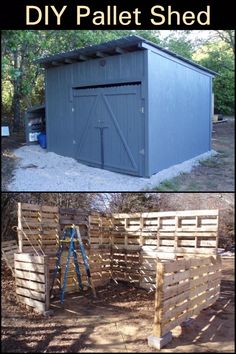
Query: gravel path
[39, 170]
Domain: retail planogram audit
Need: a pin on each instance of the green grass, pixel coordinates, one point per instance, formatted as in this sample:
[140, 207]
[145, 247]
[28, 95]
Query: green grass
[168, 185]
[209, 163]
[193, 186]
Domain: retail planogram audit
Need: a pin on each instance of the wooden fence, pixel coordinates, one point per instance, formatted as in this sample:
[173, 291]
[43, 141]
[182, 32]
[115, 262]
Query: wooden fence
[130, 247]
[32, 280]
[38, 228]
[179, 233]
[169, 234]
[69, 216]
[135, 241]
[184, 288]
[99, 265]
[138, 240]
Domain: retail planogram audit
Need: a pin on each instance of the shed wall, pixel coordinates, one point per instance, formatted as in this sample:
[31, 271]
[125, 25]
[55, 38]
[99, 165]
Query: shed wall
[59, 96]
[179, 111]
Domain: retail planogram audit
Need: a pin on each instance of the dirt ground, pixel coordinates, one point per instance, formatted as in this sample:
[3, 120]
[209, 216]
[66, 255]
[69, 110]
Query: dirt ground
[8, 158]
[119, 320]
[214, 174]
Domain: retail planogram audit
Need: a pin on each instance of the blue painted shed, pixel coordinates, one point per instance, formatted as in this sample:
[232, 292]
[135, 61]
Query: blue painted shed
[128, 106]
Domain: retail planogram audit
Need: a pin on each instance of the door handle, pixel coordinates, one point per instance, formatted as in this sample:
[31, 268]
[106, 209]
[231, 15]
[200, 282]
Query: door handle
[101, 129]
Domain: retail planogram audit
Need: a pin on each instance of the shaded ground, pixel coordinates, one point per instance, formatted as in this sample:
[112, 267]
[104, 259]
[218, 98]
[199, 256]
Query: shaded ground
[214, 174]
[8, 158]
[119, 320]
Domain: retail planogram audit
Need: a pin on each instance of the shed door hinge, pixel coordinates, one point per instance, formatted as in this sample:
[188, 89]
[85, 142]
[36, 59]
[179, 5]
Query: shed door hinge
[141, 152]
[141, 109]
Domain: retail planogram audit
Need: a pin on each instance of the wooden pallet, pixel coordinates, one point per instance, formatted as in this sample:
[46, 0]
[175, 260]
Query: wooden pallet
[99, 265]
[70, 216]
[32, 280]
[181, 232]
[38, 228]
[183, 288]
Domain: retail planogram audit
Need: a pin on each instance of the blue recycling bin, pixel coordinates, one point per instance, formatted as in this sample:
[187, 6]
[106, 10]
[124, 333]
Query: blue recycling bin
[42, 140]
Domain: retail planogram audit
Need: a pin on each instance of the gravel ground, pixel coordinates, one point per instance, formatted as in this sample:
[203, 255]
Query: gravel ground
[39, 170]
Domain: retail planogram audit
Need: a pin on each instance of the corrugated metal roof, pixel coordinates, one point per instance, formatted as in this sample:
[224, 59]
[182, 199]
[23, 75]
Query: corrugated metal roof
[130, 43]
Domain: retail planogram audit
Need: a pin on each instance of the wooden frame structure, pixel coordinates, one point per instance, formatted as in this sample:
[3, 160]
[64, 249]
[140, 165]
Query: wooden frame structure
[172, 253]
[32, 280]
[183, 288]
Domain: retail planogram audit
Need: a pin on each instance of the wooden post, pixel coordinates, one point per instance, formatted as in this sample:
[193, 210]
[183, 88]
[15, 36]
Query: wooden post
[41, 230]
[141, 239]
[111, 260]
[158, 234]
[176, 237]
[196, 236]
[19, 232]
[217, 231]
[158, 340]
[140, 264]
[100, 231]
[157, 330]
[47, 282]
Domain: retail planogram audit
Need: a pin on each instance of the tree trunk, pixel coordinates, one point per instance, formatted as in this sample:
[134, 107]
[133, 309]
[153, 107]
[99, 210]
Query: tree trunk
[16, 111]
[16, 95]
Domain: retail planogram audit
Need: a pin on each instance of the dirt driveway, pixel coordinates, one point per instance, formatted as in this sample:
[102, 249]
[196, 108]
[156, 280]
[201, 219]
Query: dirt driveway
[214, 174]
[119, 320]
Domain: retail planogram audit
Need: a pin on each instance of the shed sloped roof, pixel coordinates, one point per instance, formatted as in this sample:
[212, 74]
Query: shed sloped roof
[114, 47]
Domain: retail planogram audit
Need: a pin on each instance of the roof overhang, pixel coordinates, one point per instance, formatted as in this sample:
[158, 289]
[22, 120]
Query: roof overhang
[114, 47]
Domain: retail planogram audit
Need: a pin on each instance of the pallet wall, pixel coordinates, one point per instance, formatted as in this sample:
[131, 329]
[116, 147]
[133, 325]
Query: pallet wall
[181, 232]
[38, 228]
[69, 216]
[32, 280]
[128, 244]
[100, 230]
[138, 240]
[184, 288]
[99, 265]
[125, 265]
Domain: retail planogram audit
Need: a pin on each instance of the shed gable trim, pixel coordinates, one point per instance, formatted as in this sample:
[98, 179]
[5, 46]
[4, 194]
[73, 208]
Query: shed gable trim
[178, 59]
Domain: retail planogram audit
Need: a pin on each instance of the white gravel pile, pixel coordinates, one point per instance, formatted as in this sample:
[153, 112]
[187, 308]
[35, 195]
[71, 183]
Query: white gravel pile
[39, 170]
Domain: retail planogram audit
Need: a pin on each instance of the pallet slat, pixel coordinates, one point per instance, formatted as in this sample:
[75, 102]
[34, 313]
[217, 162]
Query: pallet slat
[40, 306]
[30, 285]
[30, 276]
[31, 294]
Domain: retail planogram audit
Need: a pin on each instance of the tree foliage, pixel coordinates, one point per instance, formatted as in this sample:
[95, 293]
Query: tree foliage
[23, 79]
[133, 202]
[218, 54]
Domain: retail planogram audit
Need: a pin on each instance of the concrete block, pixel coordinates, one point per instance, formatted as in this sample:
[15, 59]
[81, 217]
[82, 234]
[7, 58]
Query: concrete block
[48, 313]
[159, 342]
